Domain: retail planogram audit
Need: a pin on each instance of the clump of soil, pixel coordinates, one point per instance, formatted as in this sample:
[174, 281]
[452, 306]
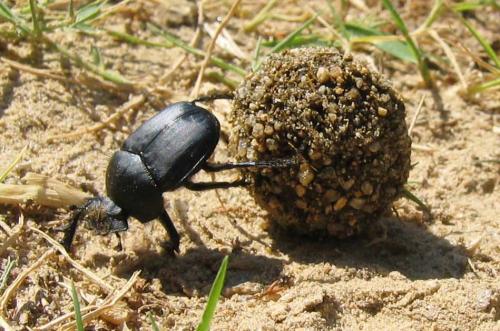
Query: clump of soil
[345, 125]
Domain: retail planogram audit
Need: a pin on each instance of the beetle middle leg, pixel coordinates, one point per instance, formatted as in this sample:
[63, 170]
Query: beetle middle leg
[174, 239]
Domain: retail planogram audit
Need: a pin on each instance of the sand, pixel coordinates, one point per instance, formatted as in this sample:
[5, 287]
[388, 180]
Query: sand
[416, 270]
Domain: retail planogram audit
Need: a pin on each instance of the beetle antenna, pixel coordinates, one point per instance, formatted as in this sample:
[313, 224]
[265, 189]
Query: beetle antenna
[215, 96]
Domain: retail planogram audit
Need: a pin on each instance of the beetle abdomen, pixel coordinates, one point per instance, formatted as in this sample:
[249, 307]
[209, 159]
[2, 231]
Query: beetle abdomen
[131, 187]
[174, 143]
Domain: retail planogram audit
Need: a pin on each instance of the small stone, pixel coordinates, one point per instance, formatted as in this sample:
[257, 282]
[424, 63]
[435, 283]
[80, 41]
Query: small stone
[357, 203]
[300, 190]
[331, 196]
[258, 130]
[367, 188]
[323, 75]
[382, 111]
[484, 299]
[306, 175]
[268, 130]
[340, 204]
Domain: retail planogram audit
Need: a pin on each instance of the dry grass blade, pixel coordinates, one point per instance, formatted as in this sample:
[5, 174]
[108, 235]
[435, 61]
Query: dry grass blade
[131, 104]
[107, 304]
[107, 288]
[447, 50]
[13, 235]
[53, 323]
[11, 166]
[4, 324]
[9, 292]
[226, 41]
[211, 47]
[417, 112]
[43, 190]
[34, 71]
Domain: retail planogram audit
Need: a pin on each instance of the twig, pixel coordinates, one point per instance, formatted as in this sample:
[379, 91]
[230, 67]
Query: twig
[107, 304]
[107, 288]
[21, 277]
[211, 46]
[417, 112]
[131, 104]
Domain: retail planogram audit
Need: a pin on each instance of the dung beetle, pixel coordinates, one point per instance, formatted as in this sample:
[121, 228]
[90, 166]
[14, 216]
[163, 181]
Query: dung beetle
[161, 155]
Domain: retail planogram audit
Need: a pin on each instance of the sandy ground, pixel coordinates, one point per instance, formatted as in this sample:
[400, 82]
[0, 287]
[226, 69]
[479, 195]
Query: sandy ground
[437, 271]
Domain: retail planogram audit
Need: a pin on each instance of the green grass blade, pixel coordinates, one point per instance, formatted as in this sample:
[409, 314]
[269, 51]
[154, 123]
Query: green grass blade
[88, 12]
[473, 5]
[484, 43]
[286, 43]
[262, 16]
[11, 166]
[213, 297]
[6, 273]
[108, 75]
[154, 326]
[397, 48]
[71, 10]
[76, 305]
[435, 13]
[135, 40]
[490, 85]
[338, 22]
[96, 56]
[179, 43]
[410, 196]
[424, 70]
[11, 17]
[37, 23]
[256, 54]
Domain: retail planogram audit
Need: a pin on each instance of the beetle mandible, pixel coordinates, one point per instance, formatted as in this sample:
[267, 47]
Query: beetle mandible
[161, 155]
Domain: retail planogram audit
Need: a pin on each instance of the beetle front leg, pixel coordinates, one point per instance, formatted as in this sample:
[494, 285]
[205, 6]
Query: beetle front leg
[279, 163]
[174, 238]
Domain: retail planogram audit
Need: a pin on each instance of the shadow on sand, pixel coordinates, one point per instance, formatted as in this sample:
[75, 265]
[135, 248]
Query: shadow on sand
[409, 249]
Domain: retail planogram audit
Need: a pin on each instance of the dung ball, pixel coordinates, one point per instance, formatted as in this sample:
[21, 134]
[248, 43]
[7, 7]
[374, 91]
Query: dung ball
[343, 123]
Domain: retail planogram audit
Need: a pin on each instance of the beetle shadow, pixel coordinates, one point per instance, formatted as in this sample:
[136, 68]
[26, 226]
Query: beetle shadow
[193, 271]
[407, 248]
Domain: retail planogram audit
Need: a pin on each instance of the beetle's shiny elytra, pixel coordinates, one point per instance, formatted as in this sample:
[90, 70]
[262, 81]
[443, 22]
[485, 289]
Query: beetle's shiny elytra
[160, 156]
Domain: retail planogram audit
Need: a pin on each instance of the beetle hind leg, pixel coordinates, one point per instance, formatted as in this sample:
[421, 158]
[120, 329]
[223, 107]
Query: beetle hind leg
[204, 186]
[278, 163]
[172, 245]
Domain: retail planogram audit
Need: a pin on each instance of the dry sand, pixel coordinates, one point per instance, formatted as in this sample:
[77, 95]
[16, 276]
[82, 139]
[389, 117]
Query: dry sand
[430, 272]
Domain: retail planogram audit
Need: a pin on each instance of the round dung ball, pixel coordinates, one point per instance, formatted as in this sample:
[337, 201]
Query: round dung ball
[345, 126]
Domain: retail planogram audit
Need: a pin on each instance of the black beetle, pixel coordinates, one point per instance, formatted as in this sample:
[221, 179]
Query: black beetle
[160, 156]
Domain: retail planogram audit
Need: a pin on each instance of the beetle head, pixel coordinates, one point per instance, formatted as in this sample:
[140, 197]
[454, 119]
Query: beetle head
[100, 214]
